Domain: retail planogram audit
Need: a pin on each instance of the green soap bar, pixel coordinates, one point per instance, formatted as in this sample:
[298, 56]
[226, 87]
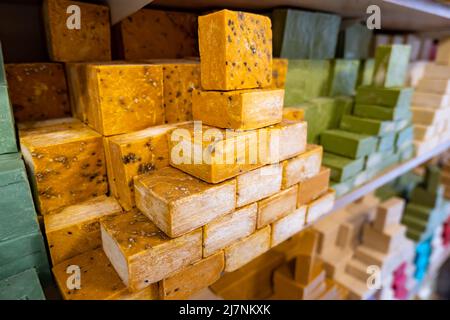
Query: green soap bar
[348, 144]
[366, 125]
[354, 40]
[325, 37]
[343, 106]
[433, 178]
[404, 137]
[414, 223]
[386, 142]
[343, 77]
[306, 80]
[2, 68]
[342, 168]
[22, 286]
[390, 160]
[292, 33]
[343, 187]
[18, 215]
[402, 124]
[362, 177]
[381, 113]
[414, 235]
[418, 211]
[375, 160]
[36, 260]
[365, 73]
[386, 97]
[8, 142]
[406, 153]
[21, 246]
[391, 65]
[387, 191]
[422, 196]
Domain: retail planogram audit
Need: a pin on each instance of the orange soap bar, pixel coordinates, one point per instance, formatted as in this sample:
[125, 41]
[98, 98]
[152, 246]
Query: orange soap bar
[66, 167]
[235, 50]
[279, 71]
[193, 278]
[286, 139]
[88, 41]
[312, 188]
[243, 110]
[76, 229]
[295, 114]
[157, 34]
[37, 91]
[303, 166]
[277, 206]
[99, 280]
[46, 126]
[142, 254]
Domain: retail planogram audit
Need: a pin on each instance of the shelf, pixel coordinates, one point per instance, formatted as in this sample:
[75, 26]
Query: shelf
[388, 175]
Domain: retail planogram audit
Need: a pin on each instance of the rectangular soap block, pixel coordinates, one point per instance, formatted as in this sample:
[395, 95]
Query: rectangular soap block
[279, 71]
[366, 125]
[343, 77]
[76, 229]
[397, 97]
[423, 132]
[288, 226]
[239, 110]
[437, 71]
[36, 260]
[235, 50]
[228, 229]
[354, 40]
[326, 31]
[436, 86]
[312, 188]
[431, 100]
[215, 155]
[66, 167]
[8, 142]
[22, 286]
[348, 144]
[342, 187]
[389, 213]
[391, 65]
[404, 137]
[320, 207]
[91, 41]
[427, 116]
[303, 166]
[386, 142]
[294, 114]
[285, 140]
[443, 52]
[431, 199]
[193, 278]
[247, 249]
[21, 246]
[342, 168]
[178, 203]
[99, 280]
[142, 254]
[132, 154]
[258, 184]
[277, 206]
[158, 34]
[365, 75]
[381, 113]
[37, 91]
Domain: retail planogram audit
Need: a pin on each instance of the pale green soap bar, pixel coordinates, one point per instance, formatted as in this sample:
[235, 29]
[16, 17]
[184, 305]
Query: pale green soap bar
[404, 137]
[306, 80]
[8, 142]
[22, 286]
[375, 159]
[354, 40]
[342, 168]
[402, 124]
[386, 97]
[386, 142]
[36, 260]
[381, 113]
[21, 246]
[343, 77]
[343, 187]
[407, 153]
[325, 37]
[366, 125]
[348, 144]
[391, 65]
[365, 73]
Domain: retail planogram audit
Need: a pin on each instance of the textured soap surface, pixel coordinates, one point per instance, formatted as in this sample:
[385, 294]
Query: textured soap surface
[387, 97]
[366, 72]
[391, 65]
[235, 50]
[343, 77]
[279, 71]
[342, 168]
[366, 125]
[8, 142]
[354, 40]
[150, 34]
[348, 144]
[22, 286]
[21, 246]
[381, 113]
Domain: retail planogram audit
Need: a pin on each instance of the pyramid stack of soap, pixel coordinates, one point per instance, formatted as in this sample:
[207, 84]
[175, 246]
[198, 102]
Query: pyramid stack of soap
[377, 133]
[21, 244]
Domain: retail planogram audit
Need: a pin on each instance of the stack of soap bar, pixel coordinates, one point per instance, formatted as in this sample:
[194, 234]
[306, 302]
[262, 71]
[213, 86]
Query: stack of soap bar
[90, 41]
[391, 63]
[365, 73]
[158, 34]
[354, 40]
[348, 144]
[316, 34]
[22, 286]
[343, 77]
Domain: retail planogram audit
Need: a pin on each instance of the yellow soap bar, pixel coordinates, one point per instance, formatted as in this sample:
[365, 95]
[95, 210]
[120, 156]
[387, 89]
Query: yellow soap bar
[132, 154]
[193, 278]
[303, 166]
[142, 254]
[235, 50]
[288, 226]
[279, 71]
[75, 229]
[150, 34]
[247, 249]
[312, 188]
[294, 114]
[214, 155]
[286, 140]
[277, 206]
[46, 126]
[124, 98]
[37, 91]
[66, 167]
[320, 206]
[179, 203]
[243, 109]
[77, 31]
[99, 280]
[226, 230]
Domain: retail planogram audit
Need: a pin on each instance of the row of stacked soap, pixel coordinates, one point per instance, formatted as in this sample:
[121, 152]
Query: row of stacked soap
[23, 259]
